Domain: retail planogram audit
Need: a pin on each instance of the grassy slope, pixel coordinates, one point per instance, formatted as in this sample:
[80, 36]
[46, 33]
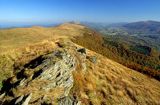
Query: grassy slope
[20, 37]
[109, 83]
[23, 44]
[119, 53]
[105, 82]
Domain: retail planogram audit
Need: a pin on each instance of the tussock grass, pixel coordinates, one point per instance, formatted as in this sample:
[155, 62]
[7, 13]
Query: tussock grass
[109, 83]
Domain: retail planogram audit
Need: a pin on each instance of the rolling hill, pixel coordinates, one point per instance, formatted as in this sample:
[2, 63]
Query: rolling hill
[68, 65]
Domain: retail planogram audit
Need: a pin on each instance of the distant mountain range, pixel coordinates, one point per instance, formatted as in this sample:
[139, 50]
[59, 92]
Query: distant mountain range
[143, 27]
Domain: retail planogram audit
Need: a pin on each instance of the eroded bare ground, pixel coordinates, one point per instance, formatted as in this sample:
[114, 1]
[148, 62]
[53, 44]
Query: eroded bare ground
[72, 75]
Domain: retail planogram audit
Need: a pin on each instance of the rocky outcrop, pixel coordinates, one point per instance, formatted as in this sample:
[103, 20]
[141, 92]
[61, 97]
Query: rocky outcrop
[23, 100]
[69, 101]
[57, 69]
[48, 76]
[27, 99]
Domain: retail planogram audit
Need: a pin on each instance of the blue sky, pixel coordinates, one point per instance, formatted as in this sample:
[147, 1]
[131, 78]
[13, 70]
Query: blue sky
[48, 11]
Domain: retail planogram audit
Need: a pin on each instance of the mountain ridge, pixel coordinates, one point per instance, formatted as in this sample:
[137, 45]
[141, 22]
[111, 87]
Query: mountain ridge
[94, 75]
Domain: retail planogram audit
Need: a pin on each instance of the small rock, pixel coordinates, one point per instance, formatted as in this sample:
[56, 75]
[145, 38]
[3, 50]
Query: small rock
[92, 58]
[19, 99]
[134, 78]
[68, 101]
[22, 82]
[58, 54]
[82, 50]
[27, 99]
[60, 44]
[2, 95]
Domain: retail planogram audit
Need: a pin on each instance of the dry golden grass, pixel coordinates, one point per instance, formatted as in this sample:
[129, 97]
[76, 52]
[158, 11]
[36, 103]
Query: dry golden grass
[14, 58]
[34, 88]
[20, 45]
[20, 37]
[104, 83]
[110, 83]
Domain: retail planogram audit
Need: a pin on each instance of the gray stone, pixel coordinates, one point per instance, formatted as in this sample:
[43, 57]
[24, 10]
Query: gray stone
[93, 59]
[68, 101]
[26, 101]
[19, 99]
[2, 95]
[22, 82]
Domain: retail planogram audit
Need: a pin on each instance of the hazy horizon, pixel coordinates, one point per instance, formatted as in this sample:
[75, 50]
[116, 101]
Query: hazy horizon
[48, 12]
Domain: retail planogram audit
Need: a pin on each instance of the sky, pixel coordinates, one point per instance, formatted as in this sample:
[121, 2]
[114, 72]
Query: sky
[50, 11]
